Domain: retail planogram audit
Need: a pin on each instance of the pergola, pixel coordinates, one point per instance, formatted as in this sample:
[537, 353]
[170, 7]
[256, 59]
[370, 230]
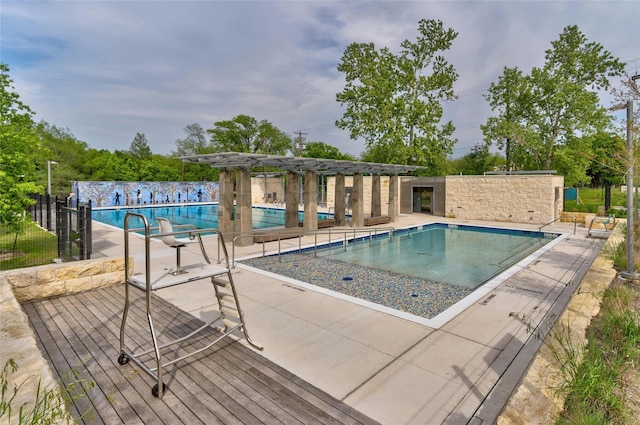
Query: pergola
[227, 162]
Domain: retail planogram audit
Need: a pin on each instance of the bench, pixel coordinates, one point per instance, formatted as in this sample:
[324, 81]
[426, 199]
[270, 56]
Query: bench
[381, 219]
[322, 224]
[274, 235]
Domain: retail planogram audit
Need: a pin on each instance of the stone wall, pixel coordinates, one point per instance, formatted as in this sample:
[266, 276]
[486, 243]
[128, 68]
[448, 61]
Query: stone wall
[366, 192]
[511, 198]
[270, 185]
[17, 340]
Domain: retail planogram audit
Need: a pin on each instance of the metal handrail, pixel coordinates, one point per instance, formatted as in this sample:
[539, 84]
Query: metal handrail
[355, 232]
[575, 224]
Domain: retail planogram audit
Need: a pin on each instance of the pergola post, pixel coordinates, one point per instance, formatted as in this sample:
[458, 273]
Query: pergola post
[376, 202]
[357, 201]
[394, 198]
[340, 202]
[225, 204]
[244, 216]
[291, 200]
[310, 201]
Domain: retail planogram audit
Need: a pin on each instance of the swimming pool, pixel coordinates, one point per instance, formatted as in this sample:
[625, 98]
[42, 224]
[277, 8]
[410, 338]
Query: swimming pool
[201, 216]
[425, 274]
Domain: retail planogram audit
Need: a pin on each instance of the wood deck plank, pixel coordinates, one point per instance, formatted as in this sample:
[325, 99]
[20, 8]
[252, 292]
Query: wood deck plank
[235, 401]
[107, 340]
[205, 407]
[91, 358]
[227, 384]
[46, 343]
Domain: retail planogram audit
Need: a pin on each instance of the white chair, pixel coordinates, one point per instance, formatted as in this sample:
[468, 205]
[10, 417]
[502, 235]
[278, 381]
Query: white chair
[173, 242]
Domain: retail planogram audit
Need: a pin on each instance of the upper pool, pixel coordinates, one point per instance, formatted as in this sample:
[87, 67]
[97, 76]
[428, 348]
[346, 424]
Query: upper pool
[201, 215]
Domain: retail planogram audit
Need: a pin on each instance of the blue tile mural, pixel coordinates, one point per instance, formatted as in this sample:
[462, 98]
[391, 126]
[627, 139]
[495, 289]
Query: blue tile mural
[110, 194]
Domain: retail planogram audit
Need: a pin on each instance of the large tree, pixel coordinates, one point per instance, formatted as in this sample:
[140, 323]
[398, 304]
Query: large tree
[543, 117]
[19, 145]
[195, 143]
[393, 101]
[325, 151]
[139, 147]
[246, 134]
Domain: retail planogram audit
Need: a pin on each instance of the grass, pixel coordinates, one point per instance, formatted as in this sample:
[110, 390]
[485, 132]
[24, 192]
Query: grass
[34, 247]
[596, 380]
[589, 199]
[49, 406]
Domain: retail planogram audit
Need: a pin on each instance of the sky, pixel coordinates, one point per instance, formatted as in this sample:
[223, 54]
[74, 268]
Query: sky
[107, 70]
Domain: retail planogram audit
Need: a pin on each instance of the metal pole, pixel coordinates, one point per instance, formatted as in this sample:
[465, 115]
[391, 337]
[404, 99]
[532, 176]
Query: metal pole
[630, 270]
[49, 176]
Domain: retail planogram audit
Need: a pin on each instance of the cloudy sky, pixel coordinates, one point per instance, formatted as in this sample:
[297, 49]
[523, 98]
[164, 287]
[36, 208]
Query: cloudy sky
[109, 69]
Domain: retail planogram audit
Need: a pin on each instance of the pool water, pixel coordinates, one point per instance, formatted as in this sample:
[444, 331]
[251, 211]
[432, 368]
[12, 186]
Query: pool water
[461, 255]
[201, 216]
[427, 274]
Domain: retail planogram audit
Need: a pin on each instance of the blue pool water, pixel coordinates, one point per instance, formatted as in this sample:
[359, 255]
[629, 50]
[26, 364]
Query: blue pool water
[201, 216]
[426, 274]
[460, 255]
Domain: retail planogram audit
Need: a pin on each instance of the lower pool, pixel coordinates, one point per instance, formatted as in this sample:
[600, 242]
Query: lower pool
[201, 215]
[424, 274]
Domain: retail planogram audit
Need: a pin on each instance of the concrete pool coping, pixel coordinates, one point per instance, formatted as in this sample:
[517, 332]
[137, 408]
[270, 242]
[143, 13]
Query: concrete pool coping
[391, 369]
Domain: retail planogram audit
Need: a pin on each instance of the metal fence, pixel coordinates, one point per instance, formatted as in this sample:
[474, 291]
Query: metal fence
[69, 220]
[73, 229]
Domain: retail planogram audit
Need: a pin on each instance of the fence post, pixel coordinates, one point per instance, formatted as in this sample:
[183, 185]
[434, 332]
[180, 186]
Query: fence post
[88, 234]
[48, 200]
[61, 228]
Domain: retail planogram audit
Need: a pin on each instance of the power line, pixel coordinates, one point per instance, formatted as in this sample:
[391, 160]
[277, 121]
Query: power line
[298, 146]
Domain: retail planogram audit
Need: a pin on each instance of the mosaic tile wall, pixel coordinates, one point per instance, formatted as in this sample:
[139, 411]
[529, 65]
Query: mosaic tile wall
[109, 194]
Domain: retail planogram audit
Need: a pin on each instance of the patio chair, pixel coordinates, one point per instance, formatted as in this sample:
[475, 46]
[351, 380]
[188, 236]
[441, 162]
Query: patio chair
[173, 242]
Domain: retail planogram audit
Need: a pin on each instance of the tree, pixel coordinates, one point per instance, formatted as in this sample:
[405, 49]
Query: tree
[158, 168]
[325, 151]
[18, 147]
[393, 100]
[60, 145]
[139, 147]
[608, 161]
[477, 162]
[116, 166]
[544, 116]
[245, 134]
[194, 144]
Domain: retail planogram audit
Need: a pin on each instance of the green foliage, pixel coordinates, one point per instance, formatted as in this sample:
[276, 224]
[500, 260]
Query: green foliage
[593, 375]
[546, 118]
[477, 162]
[325, 151]
[609, 158]
[245, 134]
[194, 144]
[18, 145]
[49, 405]
[393, 100]
[139, 147]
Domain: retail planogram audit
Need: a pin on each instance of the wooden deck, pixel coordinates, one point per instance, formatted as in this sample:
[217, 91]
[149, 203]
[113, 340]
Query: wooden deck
[228, 384]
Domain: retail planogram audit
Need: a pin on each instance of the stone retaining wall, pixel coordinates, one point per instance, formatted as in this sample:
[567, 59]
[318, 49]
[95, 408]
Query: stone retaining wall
[17, 340]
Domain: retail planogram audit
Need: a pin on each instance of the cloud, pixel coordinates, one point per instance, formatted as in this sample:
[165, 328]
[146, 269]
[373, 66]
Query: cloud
[109, 69]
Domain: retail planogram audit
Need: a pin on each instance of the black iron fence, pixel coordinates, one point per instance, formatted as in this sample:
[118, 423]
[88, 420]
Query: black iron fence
[69, 220]
[73, 229]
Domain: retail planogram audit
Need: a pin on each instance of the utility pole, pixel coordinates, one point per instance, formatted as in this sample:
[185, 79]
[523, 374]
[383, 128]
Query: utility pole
[298, 147]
